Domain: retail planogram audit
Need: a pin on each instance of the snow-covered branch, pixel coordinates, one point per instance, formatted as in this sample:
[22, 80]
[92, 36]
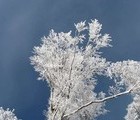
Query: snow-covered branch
[102, 100]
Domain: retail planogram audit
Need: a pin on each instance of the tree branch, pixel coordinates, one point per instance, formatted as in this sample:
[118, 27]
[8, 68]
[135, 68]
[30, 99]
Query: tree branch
[102, 100]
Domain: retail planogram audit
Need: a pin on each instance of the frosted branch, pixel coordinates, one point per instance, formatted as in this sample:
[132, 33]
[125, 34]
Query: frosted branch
[102, 100]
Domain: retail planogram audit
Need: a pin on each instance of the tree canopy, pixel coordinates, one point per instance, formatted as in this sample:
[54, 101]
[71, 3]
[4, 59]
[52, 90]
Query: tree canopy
[70, 64]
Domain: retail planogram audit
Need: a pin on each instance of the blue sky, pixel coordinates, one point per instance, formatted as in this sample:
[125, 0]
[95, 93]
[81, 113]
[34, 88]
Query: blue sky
[23, 23]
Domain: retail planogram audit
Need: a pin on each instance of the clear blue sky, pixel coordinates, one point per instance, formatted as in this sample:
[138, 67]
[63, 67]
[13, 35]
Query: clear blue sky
[24, 22]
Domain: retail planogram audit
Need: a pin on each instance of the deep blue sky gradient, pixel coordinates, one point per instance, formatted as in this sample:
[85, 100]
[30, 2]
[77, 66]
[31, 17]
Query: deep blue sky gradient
[24, 22]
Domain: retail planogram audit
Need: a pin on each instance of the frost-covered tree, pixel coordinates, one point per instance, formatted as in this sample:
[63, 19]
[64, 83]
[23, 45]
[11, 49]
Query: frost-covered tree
[71, 63]
[7, 114]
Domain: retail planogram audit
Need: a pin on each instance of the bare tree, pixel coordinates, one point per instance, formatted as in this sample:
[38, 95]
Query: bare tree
[70, 64]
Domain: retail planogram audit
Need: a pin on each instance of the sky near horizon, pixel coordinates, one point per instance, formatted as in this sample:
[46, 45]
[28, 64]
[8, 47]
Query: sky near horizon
[23, 23]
